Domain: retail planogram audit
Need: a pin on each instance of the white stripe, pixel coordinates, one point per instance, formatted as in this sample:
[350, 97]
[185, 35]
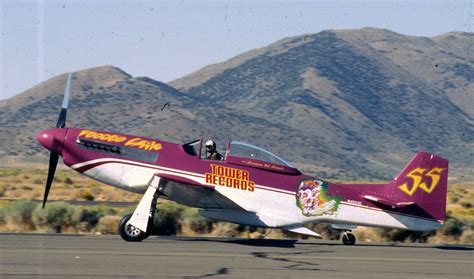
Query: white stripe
[79, 165]
[166, 170]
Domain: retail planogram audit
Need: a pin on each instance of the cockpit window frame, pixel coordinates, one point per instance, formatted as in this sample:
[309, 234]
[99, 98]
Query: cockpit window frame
[278, 160]
[192, 144]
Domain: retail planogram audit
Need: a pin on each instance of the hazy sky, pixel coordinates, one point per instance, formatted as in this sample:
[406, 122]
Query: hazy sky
[167, 40]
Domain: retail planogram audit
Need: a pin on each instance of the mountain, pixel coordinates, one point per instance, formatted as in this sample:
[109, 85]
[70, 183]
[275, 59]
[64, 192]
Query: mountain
[104, 98]
[358, 98]
[347, 104]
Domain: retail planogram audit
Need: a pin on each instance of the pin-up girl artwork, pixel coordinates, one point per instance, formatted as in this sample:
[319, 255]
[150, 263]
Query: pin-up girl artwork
[312, 198]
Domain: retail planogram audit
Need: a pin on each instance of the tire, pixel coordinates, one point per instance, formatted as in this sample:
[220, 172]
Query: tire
[352, 238]
[348, 238]
[129, 232]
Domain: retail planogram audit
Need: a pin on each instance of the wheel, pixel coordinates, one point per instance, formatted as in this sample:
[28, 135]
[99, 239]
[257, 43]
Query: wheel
[129, 232]
[348, 238]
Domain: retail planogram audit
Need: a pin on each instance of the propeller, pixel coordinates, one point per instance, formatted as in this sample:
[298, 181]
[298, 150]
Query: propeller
[53, 156]
[62, 114]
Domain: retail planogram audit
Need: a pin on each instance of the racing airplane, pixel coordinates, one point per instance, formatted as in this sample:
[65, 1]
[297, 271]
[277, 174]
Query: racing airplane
[250, 186]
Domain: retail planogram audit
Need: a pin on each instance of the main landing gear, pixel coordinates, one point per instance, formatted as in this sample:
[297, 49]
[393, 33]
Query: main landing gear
[348, 238]
[130, 233]
[139, 225]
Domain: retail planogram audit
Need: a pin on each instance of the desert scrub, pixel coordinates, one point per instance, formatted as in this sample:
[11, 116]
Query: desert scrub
[38, 181]
[195, 222]
[55, 216]
[226, 229]
[108, 224]
[2, 216]
[20, 213]
[452, 227]
[96, 190]
[126, 211]
[453, 198]
[9, 172]
[86, 195]
[168, 219]
[467, 237]
[68, 181]
[86, 218]
[464, 204]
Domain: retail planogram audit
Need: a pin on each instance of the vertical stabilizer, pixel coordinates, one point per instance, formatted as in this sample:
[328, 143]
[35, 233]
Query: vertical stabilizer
[424, 182]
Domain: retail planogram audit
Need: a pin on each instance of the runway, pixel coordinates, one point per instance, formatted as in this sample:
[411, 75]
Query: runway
[77, 256]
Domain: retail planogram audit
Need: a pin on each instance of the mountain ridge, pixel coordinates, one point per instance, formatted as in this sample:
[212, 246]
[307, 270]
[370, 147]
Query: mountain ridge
[352, 104]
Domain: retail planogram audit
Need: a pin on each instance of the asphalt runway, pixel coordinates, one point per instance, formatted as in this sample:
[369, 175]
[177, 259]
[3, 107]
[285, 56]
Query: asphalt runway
[77, 256]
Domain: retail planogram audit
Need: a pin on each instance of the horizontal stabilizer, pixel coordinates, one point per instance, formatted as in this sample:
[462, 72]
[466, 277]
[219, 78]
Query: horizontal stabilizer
[387, 202]
[302, 230]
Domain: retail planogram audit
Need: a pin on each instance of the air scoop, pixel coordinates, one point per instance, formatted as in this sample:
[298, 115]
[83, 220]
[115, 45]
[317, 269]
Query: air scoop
[52, 139]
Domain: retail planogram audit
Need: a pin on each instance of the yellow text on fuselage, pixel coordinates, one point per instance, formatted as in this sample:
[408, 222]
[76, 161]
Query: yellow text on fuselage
[149, 145]
[144, 144]
[230, 177]
[102, 136]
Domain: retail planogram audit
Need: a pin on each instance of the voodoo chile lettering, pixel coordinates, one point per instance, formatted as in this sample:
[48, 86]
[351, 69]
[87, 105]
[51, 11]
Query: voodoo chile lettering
[230, 177]
[150, 145]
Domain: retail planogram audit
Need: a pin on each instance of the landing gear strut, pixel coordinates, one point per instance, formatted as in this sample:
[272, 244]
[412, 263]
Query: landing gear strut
[348, 238]
[139, 225]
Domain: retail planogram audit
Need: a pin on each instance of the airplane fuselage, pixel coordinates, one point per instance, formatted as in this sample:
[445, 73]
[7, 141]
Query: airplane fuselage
[244, 190]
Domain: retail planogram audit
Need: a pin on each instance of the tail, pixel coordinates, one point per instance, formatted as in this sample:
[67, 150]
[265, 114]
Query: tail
[423, 183]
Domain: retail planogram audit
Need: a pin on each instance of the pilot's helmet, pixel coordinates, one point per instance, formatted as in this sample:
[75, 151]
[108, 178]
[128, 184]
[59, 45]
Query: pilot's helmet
[210, 146]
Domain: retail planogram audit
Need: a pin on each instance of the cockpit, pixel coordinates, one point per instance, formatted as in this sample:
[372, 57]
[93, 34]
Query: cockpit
[246, 154]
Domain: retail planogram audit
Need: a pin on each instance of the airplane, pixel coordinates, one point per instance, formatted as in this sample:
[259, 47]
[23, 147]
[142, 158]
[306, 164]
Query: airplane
[249, 186]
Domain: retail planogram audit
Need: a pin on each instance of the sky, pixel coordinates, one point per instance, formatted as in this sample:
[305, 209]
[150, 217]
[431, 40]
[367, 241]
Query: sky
[165, 40]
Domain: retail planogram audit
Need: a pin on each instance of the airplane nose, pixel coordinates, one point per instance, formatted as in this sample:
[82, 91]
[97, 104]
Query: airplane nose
[45, 138]
[52, 139]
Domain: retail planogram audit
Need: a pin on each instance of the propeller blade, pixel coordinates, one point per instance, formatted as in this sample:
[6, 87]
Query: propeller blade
[53, 162]
[62, 115]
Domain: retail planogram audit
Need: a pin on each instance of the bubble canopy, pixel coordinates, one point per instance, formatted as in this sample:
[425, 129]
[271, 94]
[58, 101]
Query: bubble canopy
[249, 151]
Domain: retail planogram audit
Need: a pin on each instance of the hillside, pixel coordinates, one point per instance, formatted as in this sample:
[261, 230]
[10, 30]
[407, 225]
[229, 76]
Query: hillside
[103, 98]
[352, 104]
[350, 99]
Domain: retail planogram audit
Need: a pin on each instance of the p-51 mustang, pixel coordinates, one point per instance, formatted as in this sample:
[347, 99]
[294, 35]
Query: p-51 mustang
[250, 186]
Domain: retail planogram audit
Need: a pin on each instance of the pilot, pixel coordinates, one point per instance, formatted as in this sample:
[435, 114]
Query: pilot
[211, 152]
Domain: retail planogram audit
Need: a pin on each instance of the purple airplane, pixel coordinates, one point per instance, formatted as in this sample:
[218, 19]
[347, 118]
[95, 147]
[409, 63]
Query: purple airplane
[249, 186]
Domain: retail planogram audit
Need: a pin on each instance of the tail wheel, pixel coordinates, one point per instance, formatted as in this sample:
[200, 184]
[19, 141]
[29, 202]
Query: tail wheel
[348, 238]
[129, 232]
